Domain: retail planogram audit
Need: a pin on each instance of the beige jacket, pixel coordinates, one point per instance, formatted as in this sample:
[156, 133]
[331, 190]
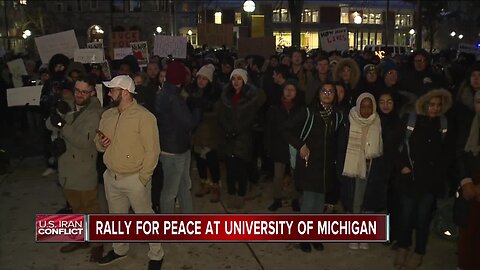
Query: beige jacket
[135, 144]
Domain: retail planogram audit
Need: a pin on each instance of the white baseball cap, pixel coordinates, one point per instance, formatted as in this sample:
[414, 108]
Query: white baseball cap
[123, 82]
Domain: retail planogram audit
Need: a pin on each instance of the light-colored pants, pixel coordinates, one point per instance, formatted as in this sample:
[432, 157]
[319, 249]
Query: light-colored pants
[123, 192]
[176, 183]
[359, 195]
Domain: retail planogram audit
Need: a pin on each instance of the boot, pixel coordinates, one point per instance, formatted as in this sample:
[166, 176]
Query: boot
[215, 193]
[413, 261]
[277, 203]
[203, 190]
[400, 258]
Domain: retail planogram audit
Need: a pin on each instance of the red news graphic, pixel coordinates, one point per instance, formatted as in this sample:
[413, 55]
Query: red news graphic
[237, 228]
[60, 228]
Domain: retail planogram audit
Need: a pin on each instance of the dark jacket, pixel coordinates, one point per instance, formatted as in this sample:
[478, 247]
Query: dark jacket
[236, 121]
[276, 147]
[175, 120]
[206, 133]
[320, 173]
[146, 96]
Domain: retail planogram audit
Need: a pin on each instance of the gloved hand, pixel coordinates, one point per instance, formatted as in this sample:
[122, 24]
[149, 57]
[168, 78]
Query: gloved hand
[63, 107]
[57, 121]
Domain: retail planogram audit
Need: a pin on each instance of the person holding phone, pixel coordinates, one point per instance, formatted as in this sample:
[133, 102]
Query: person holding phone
[128, 136]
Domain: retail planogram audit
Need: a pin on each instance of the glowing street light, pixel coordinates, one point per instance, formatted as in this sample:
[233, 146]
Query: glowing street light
[412, 31]
[460, 36]
[158, 29]
[357, 19]
[249, 6]
[189, 32]
[452, 34]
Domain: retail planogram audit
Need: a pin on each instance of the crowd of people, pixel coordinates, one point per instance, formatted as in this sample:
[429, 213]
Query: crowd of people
[356, 134]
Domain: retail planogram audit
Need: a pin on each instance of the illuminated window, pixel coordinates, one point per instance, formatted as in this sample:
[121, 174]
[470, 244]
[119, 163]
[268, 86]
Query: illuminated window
[283, 39]
[281, 15]
[308, 40]
[403, 20]
[238, 18]
[344, 15]
[218, 17]
[22, 2]
[310, 16]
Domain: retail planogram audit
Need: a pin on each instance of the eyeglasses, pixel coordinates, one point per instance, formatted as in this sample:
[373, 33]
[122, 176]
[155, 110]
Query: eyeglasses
[82, 92]
[327, 92]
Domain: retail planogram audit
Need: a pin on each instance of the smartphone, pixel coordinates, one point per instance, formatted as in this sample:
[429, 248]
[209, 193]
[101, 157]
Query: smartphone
[100, 133]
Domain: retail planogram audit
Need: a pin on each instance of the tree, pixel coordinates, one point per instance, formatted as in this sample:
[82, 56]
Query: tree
[295, 10]
[428, 17]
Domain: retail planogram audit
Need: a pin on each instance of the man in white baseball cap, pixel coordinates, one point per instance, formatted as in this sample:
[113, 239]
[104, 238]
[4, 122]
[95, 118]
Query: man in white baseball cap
[128, 134]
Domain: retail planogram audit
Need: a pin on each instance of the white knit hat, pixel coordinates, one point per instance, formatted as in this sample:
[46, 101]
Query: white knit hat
[240, 72]
[207, 71]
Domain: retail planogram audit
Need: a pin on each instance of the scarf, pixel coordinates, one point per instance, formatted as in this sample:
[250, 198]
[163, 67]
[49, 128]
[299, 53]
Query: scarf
[364, 140]
[473, 141]
[325, 112]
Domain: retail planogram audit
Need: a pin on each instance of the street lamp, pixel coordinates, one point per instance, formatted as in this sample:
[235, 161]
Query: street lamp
[26, 34]
[460, 36]
[249, 6]
[452, 34]
[357, 20]
[158, 29]
[412, 31]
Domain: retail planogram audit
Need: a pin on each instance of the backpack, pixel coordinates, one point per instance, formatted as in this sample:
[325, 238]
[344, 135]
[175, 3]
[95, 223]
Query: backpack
[307, 127]
[412, 119]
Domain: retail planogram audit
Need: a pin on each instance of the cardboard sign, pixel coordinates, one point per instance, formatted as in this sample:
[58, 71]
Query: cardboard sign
[106, 70]
[63, 42]
[334, 39]
[17, 69]
[89, 56]
[22, 96]
[168, 45]
[123, 39]
[264, 46]
[99, 92]
[120, 53]
[95, 45]
[140, 51]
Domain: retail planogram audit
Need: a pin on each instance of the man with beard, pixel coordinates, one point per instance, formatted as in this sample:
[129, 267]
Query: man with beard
[77, 172]
[128, 135]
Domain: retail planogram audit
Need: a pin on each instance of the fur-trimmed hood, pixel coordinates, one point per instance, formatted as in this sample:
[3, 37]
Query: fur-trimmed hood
[420, 105]
[353, 66]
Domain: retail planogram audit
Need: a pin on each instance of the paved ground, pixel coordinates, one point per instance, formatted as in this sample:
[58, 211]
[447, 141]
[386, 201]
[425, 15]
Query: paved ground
[23, 193]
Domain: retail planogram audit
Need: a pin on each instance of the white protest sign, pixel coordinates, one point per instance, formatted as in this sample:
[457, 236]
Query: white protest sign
[334, 39]
[120, 53]
[63, 42]
[469, 48]
[24, 95]
[106, 70]
[95, 45]
[89, 56]
[99, 90]
[168, 45]
[17, 69]
[140, 51]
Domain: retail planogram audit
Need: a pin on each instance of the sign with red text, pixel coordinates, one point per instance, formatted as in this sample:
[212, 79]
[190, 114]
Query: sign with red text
[238, 228]
[60, 228]
[140, 51]
[334, 39]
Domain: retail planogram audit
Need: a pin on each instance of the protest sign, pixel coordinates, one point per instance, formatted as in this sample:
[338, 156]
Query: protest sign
[106, 70]
[334, 39]
[99, 91]
[22, 96]
[63, 42]
[95, 45]
[168, 45]
[140, 51]
[17, 69]
[89, 56]
[120, 53]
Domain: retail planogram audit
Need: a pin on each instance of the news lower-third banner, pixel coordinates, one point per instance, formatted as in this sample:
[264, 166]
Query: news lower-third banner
[212, 228]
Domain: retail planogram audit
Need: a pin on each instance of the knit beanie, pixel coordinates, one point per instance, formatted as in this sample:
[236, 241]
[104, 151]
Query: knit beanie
[207, 71]
[176, 73]
[240, 72]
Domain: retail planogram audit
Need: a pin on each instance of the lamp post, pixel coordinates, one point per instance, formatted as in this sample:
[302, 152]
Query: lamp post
[249, 7]
[357, 20]
[412, 36]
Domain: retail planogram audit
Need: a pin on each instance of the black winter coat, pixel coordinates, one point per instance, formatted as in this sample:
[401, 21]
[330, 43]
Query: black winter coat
[236, 121]
[320, 173]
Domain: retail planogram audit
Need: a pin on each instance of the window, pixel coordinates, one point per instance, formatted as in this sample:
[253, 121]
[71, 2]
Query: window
[59, 7]
[22, 2]
[310, 16]
[218, 17]
[281, 15]
[135, 6]
[283, 39]
[344, 15]
[93, 4]
[238, 18]
[368, 16]
[404, 20]
[118, 6]
[308, 40]
[372, 17]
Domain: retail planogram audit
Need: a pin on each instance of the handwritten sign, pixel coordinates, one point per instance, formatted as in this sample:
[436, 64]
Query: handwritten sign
[334, 39]
[17, 69]
[140, 51]
[123, 39]
[106, 70]
[99, 93]
[89, 56]
[63, 42]
[95, 45]
[168, 45]
[120, 53]
[22, 96]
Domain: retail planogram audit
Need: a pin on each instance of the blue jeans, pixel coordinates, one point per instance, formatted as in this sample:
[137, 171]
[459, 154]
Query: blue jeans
[415, 213]
[312, 202]
[176, 183]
